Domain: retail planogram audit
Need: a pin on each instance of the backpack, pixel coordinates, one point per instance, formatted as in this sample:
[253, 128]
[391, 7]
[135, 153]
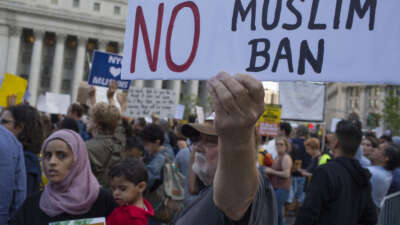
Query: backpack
[167, 199]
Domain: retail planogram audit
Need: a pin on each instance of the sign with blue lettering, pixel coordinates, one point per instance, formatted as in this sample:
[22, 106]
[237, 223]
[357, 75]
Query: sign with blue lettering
[105, 68]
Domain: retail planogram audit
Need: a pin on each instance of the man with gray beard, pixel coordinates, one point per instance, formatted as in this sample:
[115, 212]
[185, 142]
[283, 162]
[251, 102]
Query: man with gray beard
[232, 190]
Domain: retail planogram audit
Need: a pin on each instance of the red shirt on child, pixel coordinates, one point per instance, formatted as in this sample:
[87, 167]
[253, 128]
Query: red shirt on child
[130, 214]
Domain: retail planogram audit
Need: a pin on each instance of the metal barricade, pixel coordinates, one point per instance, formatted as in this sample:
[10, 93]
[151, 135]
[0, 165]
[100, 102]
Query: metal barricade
[390, 211]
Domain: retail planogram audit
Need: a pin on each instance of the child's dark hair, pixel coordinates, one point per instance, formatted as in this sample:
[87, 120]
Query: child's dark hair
[134, 142]
[152, 133]
[133, 170]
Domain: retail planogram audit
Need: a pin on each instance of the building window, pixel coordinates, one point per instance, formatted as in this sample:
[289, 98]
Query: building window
[96, 7]
[117, 10]
[76, 3]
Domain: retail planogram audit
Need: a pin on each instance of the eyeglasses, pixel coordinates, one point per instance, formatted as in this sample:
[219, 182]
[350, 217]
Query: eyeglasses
[4, 121]
[279, 144]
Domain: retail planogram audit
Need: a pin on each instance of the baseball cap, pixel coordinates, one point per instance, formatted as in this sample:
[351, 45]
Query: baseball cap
[194, 129]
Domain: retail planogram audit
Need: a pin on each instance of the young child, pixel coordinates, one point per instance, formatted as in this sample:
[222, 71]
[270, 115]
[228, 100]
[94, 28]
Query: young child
[128, 182]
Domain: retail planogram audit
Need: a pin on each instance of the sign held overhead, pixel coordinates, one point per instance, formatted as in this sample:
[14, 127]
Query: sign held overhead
[346, 40]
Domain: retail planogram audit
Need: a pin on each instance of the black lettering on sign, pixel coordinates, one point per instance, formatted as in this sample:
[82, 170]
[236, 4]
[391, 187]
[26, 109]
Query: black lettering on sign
[283, 46]
[355, 6]
[296, 12]
[305, 54]
[238, 8]
[336, 20]
[255, 53]
[277, 15]
[311, 24]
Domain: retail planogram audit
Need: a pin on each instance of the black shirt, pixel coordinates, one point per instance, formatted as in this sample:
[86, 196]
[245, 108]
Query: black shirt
[339, 194]
[30, 212]
[300, 155]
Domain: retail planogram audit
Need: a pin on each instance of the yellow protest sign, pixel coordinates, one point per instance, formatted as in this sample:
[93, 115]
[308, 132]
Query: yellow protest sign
[269, 120]
[12, 85]
[272, 114]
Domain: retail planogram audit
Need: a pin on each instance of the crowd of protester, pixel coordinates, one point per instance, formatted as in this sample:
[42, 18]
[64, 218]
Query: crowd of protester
[93, 162]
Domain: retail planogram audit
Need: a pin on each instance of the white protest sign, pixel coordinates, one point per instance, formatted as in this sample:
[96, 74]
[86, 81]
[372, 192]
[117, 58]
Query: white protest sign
[143, 102]
[54, 103]
[180, 110]
[346, 41]
[200, 114]
[302, 101]
[88, 221]
[57, 103]
[334, 122]
[41, 103]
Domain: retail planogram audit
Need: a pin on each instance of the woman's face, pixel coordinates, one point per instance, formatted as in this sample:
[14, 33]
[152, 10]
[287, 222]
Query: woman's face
[7, 120]
[367, 147]
[58, 160]
[280, 146]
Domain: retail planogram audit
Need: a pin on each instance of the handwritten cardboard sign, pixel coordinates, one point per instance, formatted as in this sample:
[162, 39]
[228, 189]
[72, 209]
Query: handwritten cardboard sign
[143, 102]
[346, 41]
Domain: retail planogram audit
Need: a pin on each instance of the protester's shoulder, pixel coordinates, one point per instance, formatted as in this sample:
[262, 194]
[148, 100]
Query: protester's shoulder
[32, 202]
[8, 139]
[105, 199]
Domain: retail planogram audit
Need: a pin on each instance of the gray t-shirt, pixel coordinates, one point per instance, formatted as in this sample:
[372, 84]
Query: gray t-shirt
[202, 210]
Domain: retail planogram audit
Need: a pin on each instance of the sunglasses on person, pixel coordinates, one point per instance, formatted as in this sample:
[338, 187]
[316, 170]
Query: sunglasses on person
[5, 121]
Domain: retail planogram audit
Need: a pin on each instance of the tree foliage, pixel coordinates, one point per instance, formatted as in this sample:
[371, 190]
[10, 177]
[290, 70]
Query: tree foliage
[391, 112]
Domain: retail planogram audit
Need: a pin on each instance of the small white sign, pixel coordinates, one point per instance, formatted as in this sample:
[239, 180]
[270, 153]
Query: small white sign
[54, 103]
[143, 102]
[334, 122]
[200, 114]
[180, 110]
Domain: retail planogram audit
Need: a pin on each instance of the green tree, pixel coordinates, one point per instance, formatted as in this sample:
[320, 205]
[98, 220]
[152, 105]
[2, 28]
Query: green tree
[391, 112]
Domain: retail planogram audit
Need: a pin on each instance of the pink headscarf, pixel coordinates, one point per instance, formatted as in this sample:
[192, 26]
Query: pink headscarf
[78, 191]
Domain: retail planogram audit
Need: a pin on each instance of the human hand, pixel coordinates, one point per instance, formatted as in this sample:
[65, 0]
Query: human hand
[112, 88]
[238, 102]
[11, 100]
[123, 100]
[268, 170]
[92, 95]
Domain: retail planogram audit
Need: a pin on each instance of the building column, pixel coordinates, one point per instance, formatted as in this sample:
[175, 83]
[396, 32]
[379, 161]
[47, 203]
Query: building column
[156, 84]
[13, 49]
[203, 93]
[102, 45]
[34, 73]
[138, 83]
[4, 32]
[193, 88]
[175, 85]
[121, 48]
[363, 105]
[56, 78]
[79, 65]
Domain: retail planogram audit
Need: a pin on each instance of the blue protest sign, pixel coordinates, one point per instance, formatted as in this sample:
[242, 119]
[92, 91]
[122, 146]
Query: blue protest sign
[105, 68]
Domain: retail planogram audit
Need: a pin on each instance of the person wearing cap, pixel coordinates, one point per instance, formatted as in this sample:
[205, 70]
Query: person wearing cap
[233, 190]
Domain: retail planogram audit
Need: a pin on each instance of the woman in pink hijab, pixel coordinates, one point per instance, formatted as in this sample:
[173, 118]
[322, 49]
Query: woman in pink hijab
[73, 192]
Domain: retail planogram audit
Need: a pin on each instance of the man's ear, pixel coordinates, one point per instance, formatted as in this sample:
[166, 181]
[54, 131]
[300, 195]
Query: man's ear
[142, 186]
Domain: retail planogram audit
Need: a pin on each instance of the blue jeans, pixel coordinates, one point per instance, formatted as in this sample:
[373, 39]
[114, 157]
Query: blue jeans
[297, 189]
[281, 197]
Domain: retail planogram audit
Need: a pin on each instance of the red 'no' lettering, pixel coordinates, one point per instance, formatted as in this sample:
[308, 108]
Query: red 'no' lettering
[152, 59]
